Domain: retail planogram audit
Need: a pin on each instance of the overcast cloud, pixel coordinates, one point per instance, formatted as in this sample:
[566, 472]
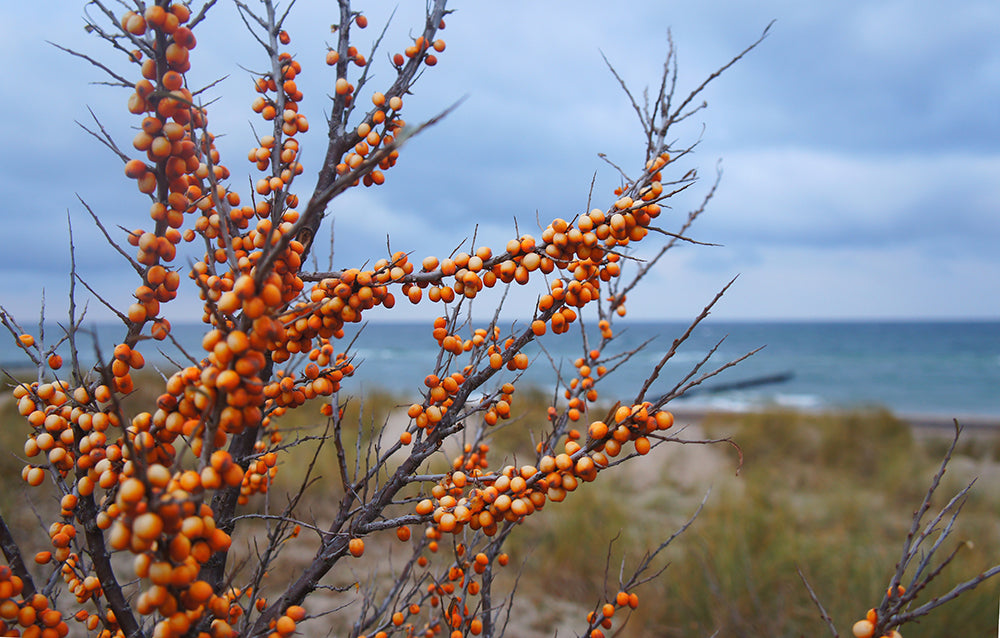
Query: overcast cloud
[860, 145]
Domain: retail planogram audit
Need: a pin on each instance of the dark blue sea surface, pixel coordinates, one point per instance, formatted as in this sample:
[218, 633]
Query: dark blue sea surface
[939, 368]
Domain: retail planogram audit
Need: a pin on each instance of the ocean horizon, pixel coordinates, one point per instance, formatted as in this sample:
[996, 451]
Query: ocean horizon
[940, 368]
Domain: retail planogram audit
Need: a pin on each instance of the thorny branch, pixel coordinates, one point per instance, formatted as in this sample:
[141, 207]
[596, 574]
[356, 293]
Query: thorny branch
[391, 479]
[899, 605]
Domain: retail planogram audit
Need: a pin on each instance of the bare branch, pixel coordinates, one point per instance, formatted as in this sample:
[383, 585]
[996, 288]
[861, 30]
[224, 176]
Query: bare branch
[822, 612]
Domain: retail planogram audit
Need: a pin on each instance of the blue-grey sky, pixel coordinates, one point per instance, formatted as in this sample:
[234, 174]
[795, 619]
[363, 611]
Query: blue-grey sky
[859, 144]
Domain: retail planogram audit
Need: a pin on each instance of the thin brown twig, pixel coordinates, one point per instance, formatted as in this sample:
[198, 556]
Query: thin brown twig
[822, 612]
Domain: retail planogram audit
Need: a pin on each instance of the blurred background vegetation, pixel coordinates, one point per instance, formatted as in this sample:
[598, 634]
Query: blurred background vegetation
[830, 494]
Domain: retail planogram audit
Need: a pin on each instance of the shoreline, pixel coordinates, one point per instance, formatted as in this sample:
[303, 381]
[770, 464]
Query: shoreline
[918, 420]
[696, 413]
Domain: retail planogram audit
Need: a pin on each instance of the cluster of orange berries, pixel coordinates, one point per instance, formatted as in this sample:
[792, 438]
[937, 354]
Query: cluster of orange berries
[285, 624]
[336, 301]
[581, 391]
[124, 360]
[379, 127]
[332, 303]
[454, 343]
[48, 409]
[578, 250]
[457, 584]
[237, 291]
[166, 134]
[584, 251]
[469, 497]
[160, 286]
[386, 116]
[61, 534]
[517, 492]
[471, 458]
[287, 392]
[54, 412]
[154, 514]
[440, 397]
[177, 169]
[496, 355]
[259, 474]
[158, 517]
[283, 104]
[31, 613]
[289, 165]
[82, 585]
[421, 47]
[604, 617]
[135, 519]
[505, 496]
[229, 377]
[471, 273]
[499, 408]
[629, 424]
[865, 628]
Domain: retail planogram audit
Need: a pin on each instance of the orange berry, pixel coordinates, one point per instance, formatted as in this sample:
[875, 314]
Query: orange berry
[134, 169]
[425, 507]
[172, 80]
[199, 591]
[147, 526]
[227, 381]
[182, 13]
[863, 629]
[598, 430]
[284, 626]
[134, 23]
[664, 419]
[642, 445]
[356, 546]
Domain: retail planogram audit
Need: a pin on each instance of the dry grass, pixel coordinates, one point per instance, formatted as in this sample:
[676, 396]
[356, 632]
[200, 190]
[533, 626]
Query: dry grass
[830, 494]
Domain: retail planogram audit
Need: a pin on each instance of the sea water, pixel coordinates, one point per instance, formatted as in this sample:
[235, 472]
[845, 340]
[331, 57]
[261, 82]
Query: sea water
[937, 368]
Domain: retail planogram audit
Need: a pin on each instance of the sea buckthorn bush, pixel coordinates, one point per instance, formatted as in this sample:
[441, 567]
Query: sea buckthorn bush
[152, 499]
